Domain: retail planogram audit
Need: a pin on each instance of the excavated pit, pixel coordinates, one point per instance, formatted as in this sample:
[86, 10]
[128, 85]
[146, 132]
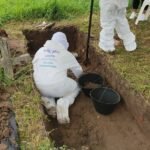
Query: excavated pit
[124, 129]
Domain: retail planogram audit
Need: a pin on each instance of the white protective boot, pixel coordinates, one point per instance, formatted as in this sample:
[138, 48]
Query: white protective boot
[106, 49]
[124, 32]
[131, 47]
[50, 106]
[63, 107]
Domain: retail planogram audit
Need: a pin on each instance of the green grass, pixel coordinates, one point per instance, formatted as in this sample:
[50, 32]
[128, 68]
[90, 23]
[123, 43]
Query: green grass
[26, 104]
[4, 80]
[49, 9]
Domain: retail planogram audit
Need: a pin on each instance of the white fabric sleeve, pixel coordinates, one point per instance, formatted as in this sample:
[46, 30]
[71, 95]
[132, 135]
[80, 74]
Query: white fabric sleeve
[68, 61]
[75, 66]
[77, 71]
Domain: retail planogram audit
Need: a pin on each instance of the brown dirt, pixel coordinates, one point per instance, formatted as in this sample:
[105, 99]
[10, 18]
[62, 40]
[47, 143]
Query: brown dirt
[3, 33]
[3, 147]
[5, 109]
[91, 85]
[34, 42]
[16, 47]
[4, 117]
[118, 131]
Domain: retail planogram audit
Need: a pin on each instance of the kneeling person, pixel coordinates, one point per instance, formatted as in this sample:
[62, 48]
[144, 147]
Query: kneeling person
[50, 65]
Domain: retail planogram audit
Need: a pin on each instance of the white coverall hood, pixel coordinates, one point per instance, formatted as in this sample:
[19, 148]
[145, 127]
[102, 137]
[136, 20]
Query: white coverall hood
[61, 38]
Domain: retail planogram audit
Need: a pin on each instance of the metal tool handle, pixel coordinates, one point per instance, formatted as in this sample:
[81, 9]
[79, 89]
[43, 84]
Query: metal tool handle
[89, 30]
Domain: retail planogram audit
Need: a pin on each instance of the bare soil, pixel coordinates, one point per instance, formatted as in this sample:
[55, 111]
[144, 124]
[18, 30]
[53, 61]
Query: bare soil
[5, 130]
[91, 85]
[117, 131]
[5, 109]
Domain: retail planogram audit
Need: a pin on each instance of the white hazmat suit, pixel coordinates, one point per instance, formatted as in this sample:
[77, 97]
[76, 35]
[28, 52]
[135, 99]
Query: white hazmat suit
[50, 65]
[113, 17]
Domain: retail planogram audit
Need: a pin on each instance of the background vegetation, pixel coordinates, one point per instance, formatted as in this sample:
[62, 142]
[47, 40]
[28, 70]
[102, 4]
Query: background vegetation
[49, 9]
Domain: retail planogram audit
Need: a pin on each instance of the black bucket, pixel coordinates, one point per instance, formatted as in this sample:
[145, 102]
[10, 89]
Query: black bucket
[105, 99]
[90, 78]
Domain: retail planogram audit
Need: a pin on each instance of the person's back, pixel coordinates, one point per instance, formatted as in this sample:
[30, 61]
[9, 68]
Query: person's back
[50, 65]
[47, 63]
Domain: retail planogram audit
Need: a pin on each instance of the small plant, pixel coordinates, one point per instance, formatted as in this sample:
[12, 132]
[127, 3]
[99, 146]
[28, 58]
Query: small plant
[4, 80]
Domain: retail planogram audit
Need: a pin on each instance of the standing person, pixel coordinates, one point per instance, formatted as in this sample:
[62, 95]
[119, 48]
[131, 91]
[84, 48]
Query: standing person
[50, 65]
[113, 18]
[135, 6]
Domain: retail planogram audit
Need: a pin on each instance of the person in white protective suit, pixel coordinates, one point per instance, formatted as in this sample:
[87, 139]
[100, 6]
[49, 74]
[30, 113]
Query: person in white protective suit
[50, 65]
[113, 17]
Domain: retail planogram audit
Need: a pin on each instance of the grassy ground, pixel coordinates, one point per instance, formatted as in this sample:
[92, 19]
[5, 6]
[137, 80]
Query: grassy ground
[50, 9]
[25, 100]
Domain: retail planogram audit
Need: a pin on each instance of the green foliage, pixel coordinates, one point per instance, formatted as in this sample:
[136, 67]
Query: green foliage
[56, 12]
[4, 80]
[49, 9]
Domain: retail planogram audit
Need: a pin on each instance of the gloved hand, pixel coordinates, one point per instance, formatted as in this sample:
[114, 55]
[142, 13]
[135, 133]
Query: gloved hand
[77, 71]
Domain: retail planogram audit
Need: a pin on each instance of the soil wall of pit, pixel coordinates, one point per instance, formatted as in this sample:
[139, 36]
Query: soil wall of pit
[135, 102]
